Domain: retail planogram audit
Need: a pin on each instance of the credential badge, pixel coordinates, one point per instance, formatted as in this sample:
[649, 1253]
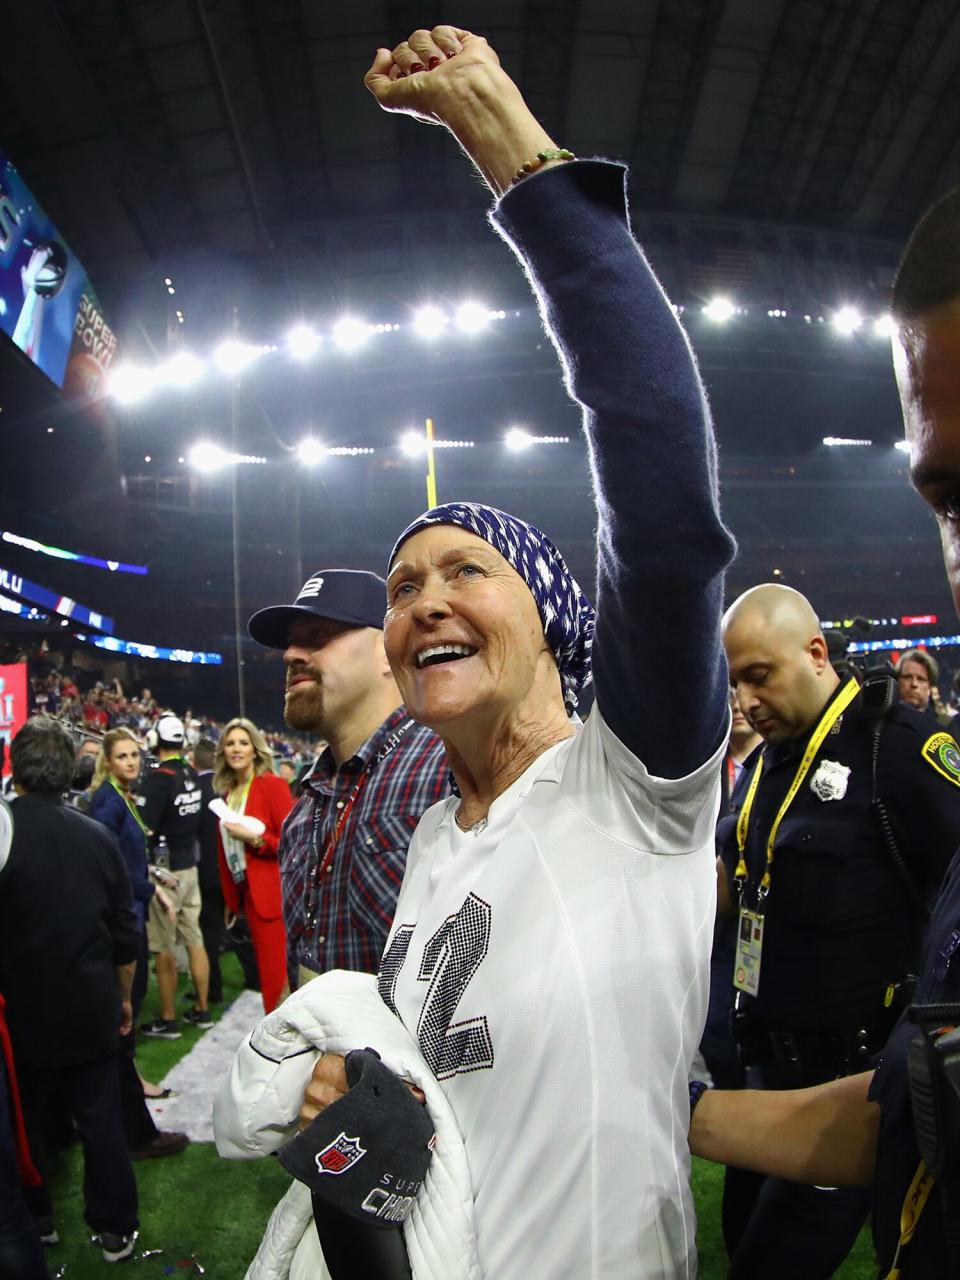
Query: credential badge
[830, 780]
[339, 1155]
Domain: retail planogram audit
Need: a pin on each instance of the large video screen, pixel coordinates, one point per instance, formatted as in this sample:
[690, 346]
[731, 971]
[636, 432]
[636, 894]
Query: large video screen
[48, 306]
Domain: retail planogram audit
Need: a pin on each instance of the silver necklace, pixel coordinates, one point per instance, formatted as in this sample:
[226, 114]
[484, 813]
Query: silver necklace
[475, 829]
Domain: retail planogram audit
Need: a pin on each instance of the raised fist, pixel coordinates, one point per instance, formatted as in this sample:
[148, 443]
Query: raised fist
[430, 74]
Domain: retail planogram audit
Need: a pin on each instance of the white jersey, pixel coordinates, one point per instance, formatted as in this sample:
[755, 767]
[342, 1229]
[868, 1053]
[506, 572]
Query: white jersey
[554, 968]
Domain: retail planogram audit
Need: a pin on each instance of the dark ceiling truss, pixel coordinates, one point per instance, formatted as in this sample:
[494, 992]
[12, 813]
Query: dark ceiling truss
[152, 177]
[811, 38]
[422, 154]
[282, 54]
[926, 174]
[228, 107]
[683, 36]
[891, 65]
[549, 37]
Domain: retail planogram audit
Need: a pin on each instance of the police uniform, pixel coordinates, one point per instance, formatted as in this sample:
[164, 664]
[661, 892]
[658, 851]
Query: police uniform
[922, 1257]
[840, 935]
[171, 801]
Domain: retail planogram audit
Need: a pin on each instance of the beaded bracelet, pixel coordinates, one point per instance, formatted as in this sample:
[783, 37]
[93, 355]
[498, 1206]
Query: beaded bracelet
[541, 158]
[697, 1089]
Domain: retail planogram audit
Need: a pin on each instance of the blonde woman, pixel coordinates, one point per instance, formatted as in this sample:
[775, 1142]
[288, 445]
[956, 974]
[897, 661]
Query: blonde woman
[114, 803]
[249, 872]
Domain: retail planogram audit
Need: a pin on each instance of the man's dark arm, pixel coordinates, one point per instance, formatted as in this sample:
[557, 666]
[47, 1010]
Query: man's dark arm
[155, 792]
[923, 800]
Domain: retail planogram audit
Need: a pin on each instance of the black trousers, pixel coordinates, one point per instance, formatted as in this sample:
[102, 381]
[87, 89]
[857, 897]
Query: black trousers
[92, 1093]
[21, 1253]
[214, 935]
[217, 940]
[774, 1228]
[137, 1120]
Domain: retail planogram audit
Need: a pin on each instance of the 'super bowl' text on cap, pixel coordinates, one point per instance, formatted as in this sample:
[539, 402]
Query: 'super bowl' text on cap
[353, 596]
[366, 1154]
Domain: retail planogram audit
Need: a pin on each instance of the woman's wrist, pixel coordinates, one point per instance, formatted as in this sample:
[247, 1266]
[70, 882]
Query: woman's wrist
[494, 126]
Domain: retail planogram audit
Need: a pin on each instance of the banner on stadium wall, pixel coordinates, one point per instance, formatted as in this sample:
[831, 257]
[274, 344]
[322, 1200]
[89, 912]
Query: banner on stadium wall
[48, 306]
[13, 705]
[17, 585]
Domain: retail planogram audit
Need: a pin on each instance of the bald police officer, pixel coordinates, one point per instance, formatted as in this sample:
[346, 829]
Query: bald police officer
[830, 925]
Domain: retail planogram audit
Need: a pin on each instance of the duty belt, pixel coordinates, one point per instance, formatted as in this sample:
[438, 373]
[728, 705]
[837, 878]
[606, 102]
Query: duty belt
[847, 1048]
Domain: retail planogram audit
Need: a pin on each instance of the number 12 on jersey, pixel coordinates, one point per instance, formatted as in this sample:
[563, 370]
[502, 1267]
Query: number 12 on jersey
[450, 960]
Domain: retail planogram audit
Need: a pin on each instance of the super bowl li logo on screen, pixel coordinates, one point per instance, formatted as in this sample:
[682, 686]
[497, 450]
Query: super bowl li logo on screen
[13, 705]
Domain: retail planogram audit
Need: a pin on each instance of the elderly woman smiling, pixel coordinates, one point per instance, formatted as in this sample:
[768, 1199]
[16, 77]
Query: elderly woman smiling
[550, 945]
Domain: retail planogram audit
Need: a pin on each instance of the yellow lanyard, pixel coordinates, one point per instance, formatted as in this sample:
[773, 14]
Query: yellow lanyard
[243, 792]
[913, 1205]
[830, 718]
[129, 803]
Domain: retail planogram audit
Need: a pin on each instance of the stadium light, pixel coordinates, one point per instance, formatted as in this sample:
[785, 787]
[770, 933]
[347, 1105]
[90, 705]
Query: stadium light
[517, 439]
[310, 451]
[472, 317]
[413, 444]
[883, 327]
[233, 357]
[129, 383]
[903, 446]
[350, 334]
[205, 456]
[845, 442]
[429, 322]
[719, 310]
[181, 370]
[847, 321]
[303, 342]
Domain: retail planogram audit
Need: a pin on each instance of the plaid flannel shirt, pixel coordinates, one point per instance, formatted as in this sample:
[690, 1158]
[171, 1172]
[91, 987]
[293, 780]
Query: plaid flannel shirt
[340, 918]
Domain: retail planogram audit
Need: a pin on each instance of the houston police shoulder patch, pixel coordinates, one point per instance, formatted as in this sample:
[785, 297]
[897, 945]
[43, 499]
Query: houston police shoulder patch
[941, 751]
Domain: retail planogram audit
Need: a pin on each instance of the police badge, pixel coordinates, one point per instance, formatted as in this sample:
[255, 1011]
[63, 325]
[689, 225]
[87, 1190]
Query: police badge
[830, 780]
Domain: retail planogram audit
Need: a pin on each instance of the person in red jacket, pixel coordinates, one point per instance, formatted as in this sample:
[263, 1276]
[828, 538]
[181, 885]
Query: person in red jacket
[249, 872]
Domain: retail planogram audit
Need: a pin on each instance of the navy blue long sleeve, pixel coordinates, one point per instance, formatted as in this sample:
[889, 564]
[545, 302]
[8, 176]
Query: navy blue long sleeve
[662, 547]
[108, 807]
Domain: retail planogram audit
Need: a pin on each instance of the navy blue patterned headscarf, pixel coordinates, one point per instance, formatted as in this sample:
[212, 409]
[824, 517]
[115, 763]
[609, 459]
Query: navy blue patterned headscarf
[568, 616]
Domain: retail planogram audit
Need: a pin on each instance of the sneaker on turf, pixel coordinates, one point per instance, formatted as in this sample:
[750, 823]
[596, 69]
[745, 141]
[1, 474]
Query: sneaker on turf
[48, 1231]
[115, 1248]
[161, 1029]
[198, 1018]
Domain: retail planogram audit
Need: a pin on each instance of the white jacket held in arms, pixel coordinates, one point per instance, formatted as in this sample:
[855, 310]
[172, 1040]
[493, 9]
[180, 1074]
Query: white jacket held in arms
[257, 1111]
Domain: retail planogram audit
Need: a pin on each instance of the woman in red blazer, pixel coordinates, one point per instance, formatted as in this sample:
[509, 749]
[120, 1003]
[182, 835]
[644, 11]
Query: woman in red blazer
[249, 873]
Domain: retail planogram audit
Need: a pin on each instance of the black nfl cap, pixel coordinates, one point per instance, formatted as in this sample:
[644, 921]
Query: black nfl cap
[354, 596]
[368, 1152]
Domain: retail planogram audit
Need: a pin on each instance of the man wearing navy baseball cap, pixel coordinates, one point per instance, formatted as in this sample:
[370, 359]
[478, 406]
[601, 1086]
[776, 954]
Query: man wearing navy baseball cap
[344, 845]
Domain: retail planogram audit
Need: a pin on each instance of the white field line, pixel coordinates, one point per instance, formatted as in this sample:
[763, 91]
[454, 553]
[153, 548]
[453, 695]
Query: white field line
[197, 1077]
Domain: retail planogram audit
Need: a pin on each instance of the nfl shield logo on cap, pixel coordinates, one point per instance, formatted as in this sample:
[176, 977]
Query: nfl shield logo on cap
[339, 1155]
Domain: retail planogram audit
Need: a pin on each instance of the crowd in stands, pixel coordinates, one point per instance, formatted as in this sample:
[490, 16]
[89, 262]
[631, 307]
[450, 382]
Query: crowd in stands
[98, 707]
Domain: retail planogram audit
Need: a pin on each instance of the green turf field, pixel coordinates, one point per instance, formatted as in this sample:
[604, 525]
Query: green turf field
[198, 1211]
